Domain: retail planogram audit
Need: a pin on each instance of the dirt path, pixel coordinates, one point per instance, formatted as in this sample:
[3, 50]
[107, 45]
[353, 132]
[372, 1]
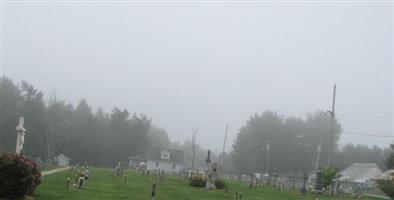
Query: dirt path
[52, 171]
[377, 196]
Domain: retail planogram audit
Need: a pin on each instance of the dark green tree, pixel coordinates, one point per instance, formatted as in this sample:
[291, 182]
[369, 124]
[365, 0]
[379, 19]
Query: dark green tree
[59, 127]
[293, 143]
[329, 175]
[157, 139]
[11, 102]
[351, 153]
[390, 160]
[33, 110]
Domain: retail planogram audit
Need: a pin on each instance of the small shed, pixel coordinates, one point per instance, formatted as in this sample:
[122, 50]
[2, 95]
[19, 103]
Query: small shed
[62, 160]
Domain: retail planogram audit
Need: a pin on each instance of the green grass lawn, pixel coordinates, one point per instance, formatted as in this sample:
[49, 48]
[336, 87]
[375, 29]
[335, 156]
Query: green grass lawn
[103, 185]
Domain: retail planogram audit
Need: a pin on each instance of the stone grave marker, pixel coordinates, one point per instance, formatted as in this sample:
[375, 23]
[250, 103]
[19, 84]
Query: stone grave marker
[68, 183]
[153, 192]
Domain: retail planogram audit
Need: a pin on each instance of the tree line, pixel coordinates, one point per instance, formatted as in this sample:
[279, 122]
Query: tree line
[291, 145]
[55, 126]
[100, 138]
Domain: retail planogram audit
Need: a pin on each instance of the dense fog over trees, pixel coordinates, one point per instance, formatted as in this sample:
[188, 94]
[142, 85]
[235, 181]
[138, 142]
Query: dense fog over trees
[99, 138]
[293, 145]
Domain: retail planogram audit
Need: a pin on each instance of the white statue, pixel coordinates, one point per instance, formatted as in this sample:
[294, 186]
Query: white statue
[20, 138]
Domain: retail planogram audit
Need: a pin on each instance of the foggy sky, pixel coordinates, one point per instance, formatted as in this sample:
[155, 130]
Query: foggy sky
[210, 64]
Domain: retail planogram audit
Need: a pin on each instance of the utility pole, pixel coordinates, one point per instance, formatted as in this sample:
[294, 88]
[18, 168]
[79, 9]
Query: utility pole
[224, 149]
[318, 153]
[332, 112]
[267, 162]
[194, 135]
[225, 139]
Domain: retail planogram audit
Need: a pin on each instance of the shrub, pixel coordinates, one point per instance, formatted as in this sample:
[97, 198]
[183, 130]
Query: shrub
[329, 176]
[387, 187]
[220, 184]
[19, 176]
[197, 181]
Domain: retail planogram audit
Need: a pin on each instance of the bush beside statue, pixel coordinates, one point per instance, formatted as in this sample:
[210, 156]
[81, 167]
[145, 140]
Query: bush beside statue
[19, 176]
[198, 181]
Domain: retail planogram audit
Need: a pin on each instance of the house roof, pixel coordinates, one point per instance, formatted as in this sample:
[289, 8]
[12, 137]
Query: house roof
[138, 157]
[176, 155]
[62, 156]
[361, 172]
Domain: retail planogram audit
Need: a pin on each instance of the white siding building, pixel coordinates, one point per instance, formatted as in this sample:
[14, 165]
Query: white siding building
[361, 172]
[169, 160]
[62, 160]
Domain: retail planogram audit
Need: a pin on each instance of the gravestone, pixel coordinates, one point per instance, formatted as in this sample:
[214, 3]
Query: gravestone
[251, 181]
[76, 179]
[162, 174]
[275, 179]
[121, 171]
[153, 192]
[318, 186]
[68, 183]
[87, 174]
[282, 184]
[294, 182]
[303, 189]
[81, 180]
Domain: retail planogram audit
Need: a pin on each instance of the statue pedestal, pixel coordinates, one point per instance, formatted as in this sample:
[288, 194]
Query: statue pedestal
[210, 185]
[211, 178]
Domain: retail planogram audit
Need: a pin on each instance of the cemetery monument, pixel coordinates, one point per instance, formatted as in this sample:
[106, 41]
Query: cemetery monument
[20, 137]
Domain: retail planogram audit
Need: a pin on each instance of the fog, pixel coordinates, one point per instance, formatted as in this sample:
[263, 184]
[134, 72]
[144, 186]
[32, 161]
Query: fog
[209, 65]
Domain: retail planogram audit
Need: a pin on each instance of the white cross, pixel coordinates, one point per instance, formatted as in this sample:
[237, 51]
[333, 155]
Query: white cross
[20, 138]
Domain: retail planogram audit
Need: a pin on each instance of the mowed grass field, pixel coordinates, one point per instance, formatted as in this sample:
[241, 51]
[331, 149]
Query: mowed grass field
[103, 185]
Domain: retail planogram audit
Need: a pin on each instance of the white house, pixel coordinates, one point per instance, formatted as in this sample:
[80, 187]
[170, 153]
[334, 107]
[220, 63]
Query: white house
[169, 160]
[62, 160]
[361, 172]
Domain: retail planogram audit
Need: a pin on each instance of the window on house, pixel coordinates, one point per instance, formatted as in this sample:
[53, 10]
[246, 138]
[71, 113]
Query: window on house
[157, 163]
[173, 165]
[165, 155]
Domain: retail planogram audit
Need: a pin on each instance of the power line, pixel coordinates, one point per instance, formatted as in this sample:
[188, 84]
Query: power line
[366, 116]
[199, 1]
[365, 134]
